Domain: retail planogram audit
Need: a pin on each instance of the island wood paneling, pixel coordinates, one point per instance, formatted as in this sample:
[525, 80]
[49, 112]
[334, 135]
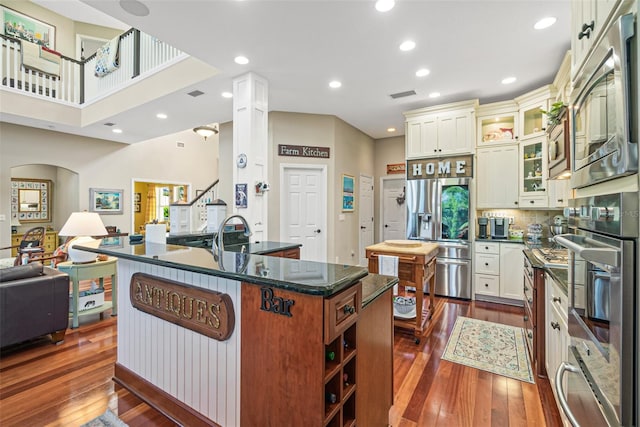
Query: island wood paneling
[282, 361]
[196, 370]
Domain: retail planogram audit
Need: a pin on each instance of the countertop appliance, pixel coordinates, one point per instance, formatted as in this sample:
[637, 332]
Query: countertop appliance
[438, 210]
[499, 227]
[604, 113]
[602, 371]
[483, 228]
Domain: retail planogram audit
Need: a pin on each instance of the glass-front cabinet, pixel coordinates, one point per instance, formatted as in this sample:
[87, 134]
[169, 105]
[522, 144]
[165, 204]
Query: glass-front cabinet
[497, 123]
[532, 121]
[533, 167]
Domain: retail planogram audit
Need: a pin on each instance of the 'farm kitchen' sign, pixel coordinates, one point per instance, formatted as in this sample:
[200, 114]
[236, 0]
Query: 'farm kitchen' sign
[443, 167]
[303, 151]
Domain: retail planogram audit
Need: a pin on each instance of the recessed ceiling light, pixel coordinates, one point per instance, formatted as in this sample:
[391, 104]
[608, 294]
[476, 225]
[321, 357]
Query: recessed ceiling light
[422, 72]
[407, 45]
[242, 60]
[227, 95]
[116, 130]
[335, 84]
[508, 80]
[434, 94]
[545, 23]
[134, 7]
[385, 5]
[161, 115]
[391, 129]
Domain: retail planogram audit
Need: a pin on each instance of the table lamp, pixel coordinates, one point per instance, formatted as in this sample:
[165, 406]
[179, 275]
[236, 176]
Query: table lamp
[82, 226]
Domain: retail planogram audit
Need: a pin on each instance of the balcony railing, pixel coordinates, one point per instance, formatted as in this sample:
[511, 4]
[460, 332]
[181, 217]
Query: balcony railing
[139, 55]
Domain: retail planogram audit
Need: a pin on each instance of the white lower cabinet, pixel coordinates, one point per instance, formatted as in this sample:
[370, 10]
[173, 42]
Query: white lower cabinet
[498, 270]
[557, 336]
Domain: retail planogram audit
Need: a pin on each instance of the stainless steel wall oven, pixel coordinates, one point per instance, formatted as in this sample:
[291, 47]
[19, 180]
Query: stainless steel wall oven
[603, 114]
[601, 373]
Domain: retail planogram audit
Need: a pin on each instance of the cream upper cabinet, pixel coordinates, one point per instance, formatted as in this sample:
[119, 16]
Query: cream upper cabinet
[441, 130]
[533, 173]
[497, 123]
[532, 122]
[559, 193]
[497, 177]
[588, 20]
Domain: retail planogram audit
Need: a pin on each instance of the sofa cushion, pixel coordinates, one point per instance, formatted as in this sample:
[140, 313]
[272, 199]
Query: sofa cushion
[21, 272]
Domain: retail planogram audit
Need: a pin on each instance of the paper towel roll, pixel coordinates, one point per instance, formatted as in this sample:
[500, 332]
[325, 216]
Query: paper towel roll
[156, 233]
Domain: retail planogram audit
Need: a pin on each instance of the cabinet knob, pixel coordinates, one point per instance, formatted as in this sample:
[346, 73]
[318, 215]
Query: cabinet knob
[530, 335]
[526, 318]
[526, 288]
[555, 325]
[560, 200]
[486, 264]
[531, 201]
[435, 151]
[586, 30]
[348, 309]
[486, 248]
[486, 285]
[557, 299]
[515, 203]
[530, 301]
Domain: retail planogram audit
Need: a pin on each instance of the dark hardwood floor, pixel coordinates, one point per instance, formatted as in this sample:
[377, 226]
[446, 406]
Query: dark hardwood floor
[42, 384]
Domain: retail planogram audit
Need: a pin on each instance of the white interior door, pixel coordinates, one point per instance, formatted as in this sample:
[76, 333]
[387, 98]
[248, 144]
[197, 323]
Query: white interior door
[366, 216]
[393, 214]
[303, 204]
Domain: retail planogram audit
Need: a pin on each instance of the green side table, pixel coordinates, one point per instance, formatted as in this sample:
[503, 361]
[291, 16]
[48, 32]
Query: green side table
[90, 271]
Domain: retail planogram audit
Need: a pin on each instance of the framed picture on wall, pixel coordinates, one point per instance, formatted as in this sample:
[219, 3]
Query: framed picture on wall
[137, 197]
[105, 201]
[24, 27]
[348, 186]
[241, 195]
[136, 207]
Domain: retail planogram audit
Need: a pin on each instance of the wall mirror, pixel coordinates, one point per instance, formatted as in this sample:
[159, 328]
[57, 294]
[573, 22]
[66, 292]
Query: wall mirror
[31, 199]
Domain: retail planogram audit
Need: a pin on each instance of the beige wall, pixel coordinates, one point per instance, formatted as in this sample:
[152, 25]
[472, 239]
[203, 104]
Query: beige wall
[387, 151]
[102, 164]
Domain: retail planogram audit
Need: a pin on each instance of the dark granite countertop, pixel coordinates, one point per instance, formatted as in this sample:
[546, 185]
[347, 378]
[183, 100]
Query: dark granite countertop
[308, 277]
[374, 285]
[205, 240]
[559, 275]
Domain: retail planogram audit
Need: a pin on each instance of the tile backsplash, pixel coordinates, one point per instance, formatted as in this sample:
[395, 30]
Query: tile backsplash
[521, 218]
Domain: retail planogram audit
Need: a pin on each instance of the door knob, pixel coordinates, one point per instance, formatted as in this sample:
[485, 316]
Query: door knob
[317, 231]
[385, 226]
[362, 227]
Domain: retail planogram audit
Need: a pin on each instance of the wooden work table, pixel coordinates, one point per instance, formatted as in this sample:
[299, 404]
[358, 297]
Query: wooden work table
[416, 267]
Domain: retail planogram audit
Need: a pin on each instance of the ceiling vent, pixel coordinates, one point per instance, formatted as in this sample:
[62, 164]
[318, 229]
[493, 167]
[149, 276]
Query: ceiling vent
[403, 94]
[195, 93]
[109, 124]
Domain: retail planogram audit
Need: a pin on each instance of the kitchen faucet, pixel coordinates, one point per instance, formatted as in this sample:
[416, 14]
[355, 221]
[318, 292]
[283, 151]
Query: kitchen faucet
[218, 241]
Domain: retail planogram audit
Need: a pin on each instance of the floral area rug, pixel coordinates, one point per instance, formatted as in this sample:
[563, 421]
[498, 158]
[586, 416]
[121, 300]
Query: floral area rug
[108, 419]
[492, 347]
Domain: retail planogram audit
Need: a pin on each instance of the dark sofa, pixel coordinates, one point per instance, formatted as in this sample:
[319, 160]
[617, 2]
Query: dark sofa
[34, 301]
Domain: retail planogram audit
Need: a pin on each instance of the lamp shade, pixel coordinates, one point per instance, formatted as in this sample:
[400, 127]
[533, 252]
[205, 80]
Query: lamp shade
[83, 225]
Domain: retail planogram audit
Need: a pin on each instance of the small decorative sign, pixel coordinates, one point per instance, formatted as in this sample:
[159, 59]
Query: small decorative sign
[444, 167]
[207, 312]
[241, 195]
[274, 304]
[395, 168]
[303, 151]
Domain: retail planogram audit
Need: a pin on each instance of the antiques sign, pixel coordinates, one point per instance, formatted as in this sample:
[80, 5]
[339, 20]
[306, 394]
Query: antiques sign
[207, 312]
[444, 167]
[303, 151]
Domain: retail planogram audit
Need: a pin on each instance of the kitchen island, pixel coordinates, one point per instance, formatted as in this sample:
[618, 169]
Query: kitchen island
[233, 338]
[416, 268]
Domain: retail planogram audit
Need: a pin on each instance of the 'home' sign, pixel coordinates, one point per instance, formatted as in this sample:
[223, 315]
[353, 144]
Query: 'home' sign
[442, 167]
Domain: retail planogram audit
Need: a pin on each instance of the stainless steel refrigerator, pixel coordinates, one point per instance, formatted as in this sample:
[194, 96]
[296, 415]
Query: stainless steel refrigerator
[438, 211]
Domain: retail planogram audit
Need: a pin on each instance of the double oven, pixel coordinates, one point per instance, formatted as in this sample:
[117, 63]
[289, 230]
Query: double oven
[598, 384]
[601, 372]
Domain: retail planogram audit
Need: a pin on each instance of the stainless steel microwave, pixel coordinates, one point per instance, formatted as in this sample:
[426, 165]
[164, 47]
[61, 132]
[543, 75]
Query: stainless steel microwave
[604, 111]
[559, 148]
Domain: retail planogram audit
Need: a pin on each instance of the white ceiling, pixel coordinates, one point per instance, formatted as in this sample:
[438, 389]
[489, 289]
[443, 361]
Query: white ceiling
[301, 45]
